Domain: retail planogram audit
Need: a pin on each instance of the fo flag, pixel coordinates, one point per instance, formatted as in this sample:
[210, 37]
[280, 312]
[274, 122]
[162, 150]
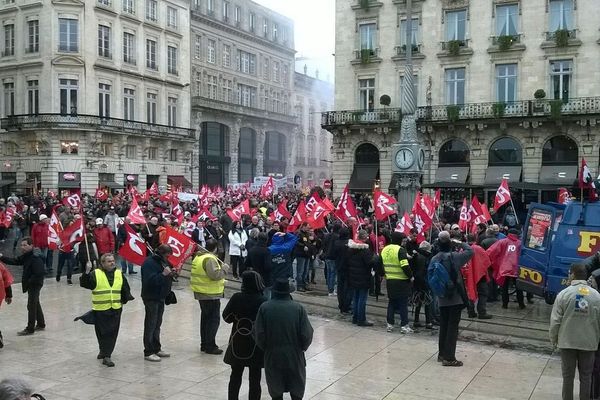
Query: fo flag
[134, 248]
[241, 209]
[384, 205]
[135, 215]
[101, 194]
[281, 211]
[502, 195]
[9, 215]
[345, 208]
[54, 228]
[73, 201]
[268, 188]
[204, 215]
[183, 247]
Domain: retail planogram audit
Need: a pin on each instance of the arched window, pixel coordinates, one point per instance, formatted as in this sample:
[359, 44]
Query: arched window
[366, 153]
[560, 150]
[247, 155]
[505, 151]
[454, 152]
[275, 154]
[366, 168]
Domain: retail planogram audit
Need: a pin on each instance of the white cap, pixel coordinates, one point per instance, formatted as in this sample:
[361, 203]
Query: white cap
[99, 221]
[43, 217]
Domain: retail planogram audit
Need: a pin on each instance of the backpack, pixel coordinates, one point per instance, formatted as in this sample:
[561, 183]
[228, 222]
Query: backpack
[439, 280]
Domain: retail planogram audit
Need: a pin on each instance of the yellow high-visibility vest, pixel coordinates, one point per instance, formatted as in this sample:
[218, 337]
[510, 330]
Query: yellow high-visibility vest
[391, 264]
[104, 296]
[199, 280]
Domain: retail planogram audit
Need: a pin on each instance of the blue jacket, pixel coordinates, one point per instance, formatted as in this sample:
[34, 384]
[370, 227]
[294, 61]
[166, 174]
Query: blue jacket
[155, 286]
[281, 256]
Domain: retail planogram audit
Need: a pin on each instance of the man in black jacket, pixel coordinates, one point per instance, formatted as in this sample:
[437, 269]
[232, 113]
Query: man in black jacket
[32, 283]
[259, 260]
[344, 293]
[156, 285]
[329, 255]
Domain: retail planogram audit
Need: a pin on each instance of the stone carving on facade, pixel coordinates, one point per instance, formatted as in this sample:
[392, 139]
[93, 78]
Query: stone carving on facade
[408, 181]
[428, 99]
[408, 129]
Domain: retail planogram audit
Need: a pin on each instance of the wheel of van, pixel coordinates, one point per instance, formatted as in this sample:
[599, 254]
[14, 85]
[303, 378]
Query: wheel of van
[549, 298]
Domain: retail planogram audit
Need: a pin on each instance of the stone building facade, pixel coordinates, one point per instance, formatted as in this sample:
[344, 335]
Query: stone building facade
[312, 96]
[242, 61]
[95, 94]
[477, 66]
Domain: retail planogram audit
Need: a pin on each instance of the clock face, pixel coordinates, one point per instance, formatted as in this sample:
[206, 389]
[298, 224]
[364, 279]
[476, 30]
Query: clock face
[405, 158]
[421, 159]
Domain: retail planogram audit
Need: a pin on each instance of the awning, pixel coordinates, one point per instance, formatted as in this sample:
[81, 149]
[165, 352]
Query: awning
[6, 182]
[394, 182]
[559, 175]
[178, 180]
[69, 184]
[495, 174]
[110, 185]
[457, 175]
[25, 185]
[363, 177]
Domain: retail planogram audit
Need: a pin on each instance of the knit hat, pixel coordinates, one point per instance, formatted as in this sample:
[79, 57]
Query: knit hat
[43, 217]
[426, 246]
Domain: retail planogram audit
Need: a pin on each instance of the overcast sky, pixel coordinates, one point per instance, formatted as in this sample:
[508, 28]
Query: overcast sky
[314, 23]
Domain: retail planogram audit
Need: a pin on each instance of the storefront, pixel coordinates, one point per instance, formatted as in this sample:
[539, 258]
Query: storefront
[31, 185]
[130, 180]
[69, 183]
[108, 181]
[178, 182]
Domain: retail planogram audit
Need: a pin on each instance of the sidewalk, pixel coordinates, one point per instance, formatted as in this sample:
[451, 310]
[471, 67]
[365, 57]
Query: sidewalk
[344, 361]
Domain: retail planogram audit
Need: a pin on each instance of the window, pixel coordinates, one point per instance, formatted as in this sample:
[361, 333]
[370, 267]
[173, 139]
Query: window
[69, 147]
[103, 100]
[33, 148]
[227, 90]
[68, 34]
[128, 6]
[403, 87]
[311, 147]
[266, 104]
[211, 51]
[9, 40]
[173, 155]
[172, 60]
[414, 28]
[265, 27]
[33, 35]
[456, 25]
[172, 111]
[210, 6]
[238, 15]
[247, 62]
[151, 10]
[277, 102]
[284, 34]
[9, 98]
[561, 15]
[225, 11]
[33, 97]
[455, 86]
[104, 2]
[106, 149]
[69, 89]
[172, 17]
[152, 153]
[211, 87]
[226, 56]
[311, 119]
[130, 151]
[246, 95]
[285, 79]
[276, 71]
[252, 22]
[266, 69]
[275, 31]
[506, 83]
[366, 94]
[507, 19]
[129, 48]
[198, 79]
[367, 36]
[151, 54]
[198, 47]
[151, 108]
[129, 104]
[104, 41]
[560, 75]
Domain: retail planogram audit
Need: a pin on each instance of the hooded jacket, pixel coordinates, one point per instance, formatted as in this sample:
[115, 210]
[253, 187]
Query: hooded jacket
[259, 259]
[34, 270]
[39, 235]
[476, 270]
[504, 255]
[281, 256]
[105, 240]
[360, 262]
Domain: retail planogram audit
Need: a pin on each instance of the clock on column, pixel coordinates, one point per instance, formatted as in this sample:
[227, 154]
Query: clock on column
[404, 158]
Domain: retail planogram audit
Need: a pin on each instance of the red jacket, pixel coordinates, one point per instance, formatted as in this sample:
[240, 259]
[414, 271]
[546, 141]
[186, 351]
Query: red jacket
[39, 235]
[505, 258]
[476, 270]
[6, 280]
[105, 240]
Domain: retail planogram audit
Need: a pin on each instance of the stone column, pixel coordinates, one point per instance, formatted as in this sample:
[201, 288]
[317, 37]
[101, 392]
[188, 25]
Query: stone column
[261, 135]
[234, 139]
[289, 165]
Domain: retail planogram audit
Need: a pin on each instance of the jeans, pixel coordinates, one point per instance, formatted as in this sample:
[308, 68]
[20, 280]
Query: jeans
[399, 305]
[505, 288]
[49, 259]
[34, 309]
[344, 293]
[210, 318]
[126, 266]
[302, 265]
[235, 382]
[428, 309]
[62, 258]
[482, 294]
[360, 305]
[236, 262]
[584, 361]
[449, 320]
[330, 265]
[152, 322]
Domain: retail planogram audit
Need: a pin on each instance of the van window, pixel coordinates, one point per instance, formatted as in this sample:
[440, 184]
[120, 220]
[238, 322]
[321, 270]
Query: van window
[537, 230]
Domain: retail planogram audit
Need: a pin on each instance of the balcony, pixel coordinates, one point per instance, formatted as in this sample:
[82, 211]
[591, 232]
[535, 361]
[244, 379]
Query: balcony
[455, 48]
[366, 56]
[95, 123]
[400, 52]
[561, 38]
[504, 43]
[360, 117]
[260, 114]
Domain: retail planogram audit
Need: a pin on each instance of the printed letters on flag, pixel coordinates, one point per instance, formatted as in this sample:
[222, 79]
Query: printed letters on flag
[134, 249]
[177, 213]
[465, 217]
[9, 215]
[404, 225]
[298, 217]
[204, 215]
[101, 194]
[153, 191]
[564, 197]
[72, 233]
[502, 195]
[345, 208]
[383, 205]
[73, 201]
[316, 218]
[182, 246]
[268, 188]
[241, 209]
[312, 202]
[54, 228]
[586, 180]
[281, 211]
[135, 214]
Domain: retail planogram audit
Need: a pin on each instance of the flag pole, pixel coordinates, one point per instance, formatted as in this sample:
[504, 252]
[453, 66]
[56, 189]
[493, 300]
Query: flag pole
[515, 211]
[376, 238]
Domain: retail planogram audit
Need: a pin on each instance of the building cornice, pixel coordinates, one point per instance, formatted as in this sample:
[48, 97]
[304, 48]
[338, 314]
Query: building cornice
[138, 75]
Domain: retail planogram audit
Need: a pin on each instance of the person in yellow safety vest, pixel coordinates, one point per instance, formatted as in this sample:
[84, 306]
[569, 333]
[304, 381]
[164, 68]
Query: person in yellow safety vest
[110, 290]
[399, 276]
[208, 284]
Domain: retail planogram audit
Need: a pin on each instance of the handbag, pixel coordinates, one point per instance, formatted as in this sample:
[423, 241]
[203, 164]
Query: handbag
[171, 298]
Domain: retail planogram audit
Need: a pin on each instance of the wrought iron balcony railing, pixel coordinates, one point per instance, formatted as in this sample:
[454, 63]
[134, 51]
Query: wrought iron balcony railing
[204, 102]
[569, 33]
[81, 121]
[366, 55]
[401, 50]
[506, 40]
[455, 45]
[351, 117]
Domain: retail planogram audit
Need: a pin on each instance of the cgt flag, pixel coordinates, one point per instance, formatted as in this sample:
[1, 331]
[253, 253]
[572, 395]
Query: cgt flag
[135, 214]
[502, 195]
[241, 209]
[134, 248]
[183, 247]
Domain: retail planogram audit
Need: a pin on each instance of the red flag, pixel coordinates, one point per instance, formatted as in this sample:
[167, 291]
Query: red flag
[177, 212]
[427, 204]
[135, 214]
[54, 228]
[345, 208]
[153, 191]
[502, 195]
[422, 222]
[241, 209]
[298, 218]
[268, 188]
[134, 248]
[101, 194]
[204, 215]
[564, 197]
[474, 209]
[73, 201]
[383, 205]
[312, 202]
[9, 215]
[316, 218]
[182, 246]
[52, 194]
[328, 204]
[437, 198]
[465, 217]
[404, 225]
[281, 212]
[586, 180]
[72, 233]
[417, 203]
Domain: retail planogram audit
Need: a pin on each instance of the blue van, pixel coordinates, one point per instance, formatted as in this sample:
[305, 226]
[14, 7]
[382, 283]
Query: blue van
[554, 237]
